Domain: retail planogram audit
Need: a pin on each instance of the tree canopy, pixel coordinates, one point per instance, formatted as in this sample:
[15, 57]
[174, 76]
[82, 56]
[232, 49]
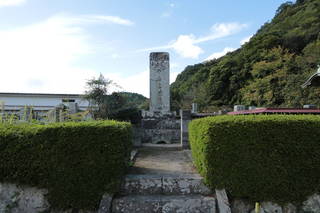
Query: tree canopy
[266, 71]
[116, 105]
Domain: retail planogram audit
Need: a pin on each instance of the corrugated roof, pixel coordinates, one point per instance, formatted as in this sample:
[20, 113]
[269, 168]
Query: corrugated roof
[8, 94]
[276, 111]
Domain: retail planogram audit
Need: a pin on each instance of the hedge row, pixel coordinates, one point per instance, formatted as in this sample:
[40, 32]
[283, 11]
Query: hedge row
[76, 162]
[261, 158]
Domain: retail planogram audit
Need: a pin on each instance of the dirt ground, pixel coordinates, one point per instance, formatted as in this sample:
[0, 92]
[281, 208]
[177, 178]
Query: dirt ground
[163, 161]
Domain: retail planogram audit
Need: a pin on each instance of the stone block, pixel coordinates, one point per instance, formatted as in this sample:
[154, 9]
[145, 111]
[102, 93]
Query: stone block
[241, 206]
[105, 203]
[184, 185]
[312, 204]
[223, 201]
[136, 204]
[189, 205]
[164, 204]
[165, 129]
[164, 185]
[16, 199]
[269, 207]
[161, 135]
[289, 208]
[142, 185]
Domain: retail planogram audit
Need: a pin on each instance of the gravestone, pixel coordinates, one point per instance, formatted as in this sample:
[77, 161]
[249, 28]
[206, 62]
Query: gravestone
[159, 124]
[159, 83]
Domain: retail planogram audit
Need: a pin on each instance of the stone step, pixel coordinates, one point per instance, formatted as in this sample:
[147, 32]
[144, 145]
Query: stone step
[167, 147]
[164, 204]
[185, 184]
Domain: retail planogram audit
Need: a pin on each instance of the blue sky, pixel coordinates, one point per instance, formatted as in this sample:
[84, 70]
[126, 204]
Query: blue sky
[54, 46]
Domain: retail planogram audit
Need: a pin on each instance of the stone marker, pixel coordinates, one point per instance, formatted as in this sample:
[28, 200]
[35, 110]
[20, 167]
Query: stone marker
[185, 120]
[159, 124]
[159, 82]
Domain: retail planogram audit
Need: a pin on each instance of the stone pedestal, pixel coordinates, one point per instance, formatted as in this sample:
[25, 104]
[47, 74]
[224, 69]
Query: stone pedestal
[164, 129]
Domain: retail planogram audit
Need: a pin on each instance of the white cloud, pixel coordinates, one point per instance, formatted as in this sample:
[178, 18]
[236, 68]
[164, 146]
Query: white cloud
[110, 19]
[220, 54]
[245, 40]
[187, 45]
[222, 30]
[5, 3]
[173, 76]
[166, 14]
[138, 83]
[41, 57]
[93, 19]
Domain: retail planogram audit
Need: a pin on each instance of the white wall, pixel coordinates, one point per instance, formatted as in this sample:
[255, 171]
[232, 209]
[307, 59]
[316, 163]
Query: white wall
[41, 101]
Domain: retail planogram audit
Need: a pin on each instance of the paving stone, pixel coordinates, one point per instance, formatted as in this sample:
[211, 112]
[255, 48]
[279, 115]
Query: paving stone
[142, 185]
[164, 204]
[312, 205]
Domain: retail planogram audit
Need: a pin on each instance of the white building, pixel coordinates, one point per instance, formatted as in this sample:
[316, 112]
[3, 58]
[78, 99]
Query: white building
[40, 102]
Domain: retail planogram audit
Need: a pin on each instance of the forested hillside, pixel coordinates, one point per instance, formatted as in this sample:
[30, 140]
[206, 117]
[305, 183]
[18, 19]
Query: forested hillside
[266, 71]
[134, 100]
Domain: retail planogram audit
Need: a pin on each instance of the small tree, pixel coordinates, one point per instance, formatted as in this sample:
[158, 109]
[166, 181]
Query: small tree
[118, 105]
[96, 93]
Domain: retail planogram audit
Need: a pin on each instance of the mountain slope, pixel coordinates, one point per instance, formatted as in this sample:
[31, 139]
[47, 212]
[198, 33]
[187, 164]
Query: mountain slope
[266, 71]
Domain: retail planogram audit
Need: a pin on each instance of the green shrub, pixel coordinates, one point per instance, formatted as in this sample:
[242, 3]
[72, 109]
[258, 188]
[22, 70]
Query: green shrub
[261, 158]
[76, 162]
[132, 115]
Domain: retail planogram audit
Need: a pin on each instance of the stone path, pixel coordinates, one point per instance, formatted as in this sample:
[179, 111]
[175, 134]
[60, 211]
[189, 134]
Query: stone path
[163, 180]
[153, 160]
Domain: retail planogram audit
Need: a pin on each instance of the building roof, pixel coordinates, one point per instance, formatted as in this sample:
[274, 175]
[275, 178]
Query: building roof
[51, 95]
[276, 111]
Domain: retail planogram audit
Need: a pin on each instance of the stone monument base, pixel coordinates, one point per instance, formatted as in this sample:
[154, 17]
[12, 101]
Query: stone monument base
[160, 127]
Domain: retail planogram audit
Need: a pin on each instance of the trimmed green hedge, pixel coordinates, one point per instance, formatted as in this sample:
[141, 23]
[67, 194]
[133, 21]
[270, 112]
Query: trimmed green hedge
[76, 162]
[259, 157]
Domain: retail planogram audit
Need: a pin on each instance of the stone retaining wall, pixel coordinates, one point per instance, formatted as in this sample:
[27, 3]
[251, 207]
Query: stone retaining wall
[22, 199]
[311, 205]
[17, 199]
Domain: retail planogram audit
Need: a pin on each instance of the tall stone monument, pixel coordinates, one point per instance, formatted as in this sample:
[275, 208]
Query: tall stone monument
[159, 124]
[159, 83]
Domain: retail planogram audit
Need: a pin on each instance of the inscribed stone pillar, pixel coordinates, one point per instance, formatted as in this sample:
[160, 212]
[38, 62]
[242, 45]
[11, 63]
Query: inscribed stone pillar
[185, 120]
[159, 82]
